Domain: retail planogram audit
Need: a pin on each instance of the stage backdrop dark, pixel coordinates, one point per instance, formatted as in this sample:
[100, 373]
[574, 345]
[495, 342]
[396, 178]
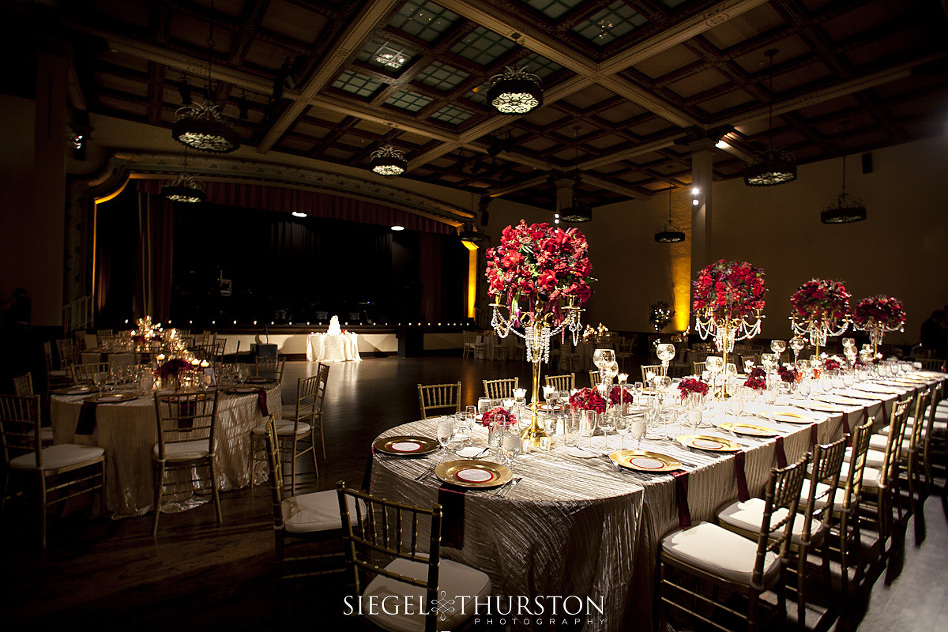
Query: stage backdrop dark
[240, 264]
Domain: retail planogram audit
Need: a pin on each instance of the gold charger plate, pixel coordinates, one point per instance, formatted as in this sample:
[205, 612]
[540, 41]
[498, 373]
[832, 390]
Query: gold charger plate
[713, 444]
[473, 473]
[792, 418]
[406, 445]
[241, 390]
[112, 398]
[818, 405]
[72, 390]
[750, 430]
[645, 461]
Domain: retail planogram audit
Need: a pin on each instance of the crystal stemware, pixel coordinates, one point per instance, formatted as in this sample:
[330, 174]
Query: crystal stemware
[511, 444]
[445, 433]
[638, 428]
[778, 346]
[665, 353]
[797, 344]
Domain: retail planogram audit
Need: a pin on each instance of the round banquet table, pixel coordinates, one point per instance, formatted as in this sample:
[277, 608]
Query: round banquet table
[128, 432]
[322, 347]
[579, 526]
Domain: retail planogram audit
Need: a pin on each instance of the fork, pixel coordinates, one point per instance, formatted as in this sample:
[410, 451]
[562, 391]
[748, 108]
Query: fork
[506, 488]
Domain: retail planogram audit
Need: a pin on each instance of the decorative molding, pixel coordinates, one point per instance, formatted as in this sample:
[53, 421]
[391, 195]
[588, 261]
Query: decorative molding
[221, 168]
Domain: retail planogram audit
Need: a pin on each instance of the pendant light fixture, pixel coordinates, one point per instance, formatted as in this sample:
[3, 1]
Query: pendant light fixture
[773, 165]
[577, 211]
[469, 234]
[200, 125]
[515, 91]
[847, 209]
[184, 188]
[388, 161]
[670, 233]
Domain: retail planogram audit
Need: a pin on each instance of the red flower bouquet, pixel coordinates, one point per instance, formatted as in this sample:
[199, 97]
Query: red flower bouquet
[787, 374]
[756, 383]
[821, 301]
[587, 399]
[538, 268]
[728, 290]
[831, 364]
[172, 367]
[616, 393]
[879, 311]
[509, 418]
[692, 385]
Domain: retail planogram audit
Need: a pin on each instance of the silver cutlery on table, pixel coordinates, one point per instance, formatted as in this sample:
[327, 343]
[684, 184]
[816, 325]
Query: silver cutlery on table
[510, 485]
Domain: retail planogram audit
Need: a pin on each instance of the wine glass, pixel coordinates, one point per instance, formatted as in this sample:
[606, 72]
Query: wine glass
[797, 344]
[588, 420]
[714, 365]
[769, 362]
[804, 388]
[445, 433]
[665, 353]
[99, 378]
[510, 445]
[623, 425]
[609, 371]
[637, 389]
[638, 428]
[778, 346]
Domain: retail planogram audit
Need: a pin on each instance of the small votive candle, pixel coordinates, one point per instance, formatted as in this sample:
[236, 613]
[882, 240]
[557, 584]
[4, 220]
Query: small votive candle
[623, 378]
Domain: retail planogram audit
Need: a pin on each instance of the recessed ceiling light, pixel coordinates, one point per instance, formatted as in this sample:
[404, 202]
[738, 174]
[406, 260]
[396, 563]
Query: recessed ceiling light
[397, 227]
[298, 214]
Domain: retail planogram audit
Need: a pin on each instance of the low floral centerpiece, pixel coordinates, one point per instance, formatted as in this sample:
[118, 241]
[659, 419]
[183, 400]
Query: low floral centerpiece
[691, 385]
[877, 315]
[587, 399]
[788, 374]
[728, 300]
[619, 395]
[831, 364]
[538, 277]
[820, 308]
[507, 417]
[756, 379]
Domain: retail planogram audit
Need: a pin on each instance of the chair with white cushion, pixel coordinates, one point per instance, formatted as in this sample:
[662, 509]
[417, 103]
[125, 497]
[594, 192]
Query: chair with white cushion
[811, 528]
[934, 433]
[387, 561]
[649, 371]
[307, 527]
[187, 442]
[881, 484]
[748, 567]
[269, 368]
[50, 474]
[56, 374]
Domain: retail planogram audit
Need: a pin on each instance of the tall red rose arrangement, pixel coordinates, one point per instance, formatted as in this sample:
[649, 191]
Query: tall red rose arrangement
[537, 268]
[877, 315]
[729, 290]
[820, 308]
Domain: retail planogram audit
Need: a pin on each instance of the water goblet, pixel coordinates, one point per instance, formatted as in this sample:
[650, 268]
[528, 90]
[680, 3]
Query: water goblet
[797, 344]
[510, 444]
[445, 433]
[665, 353]
[588, 420]
[623, 424]
[637, 389]
[99, 378]
[638, 428]
[778, 346]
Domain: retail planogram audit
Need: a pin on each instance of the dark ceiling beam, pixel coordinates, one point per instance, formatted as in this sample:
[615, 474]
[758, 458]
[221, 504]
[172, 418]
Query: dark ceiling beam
[349, 42]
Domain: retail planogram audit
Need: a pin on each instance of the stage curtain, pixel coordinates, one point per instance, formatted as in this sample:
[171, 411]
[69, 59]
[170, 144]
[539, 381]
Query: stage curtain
[430, 255]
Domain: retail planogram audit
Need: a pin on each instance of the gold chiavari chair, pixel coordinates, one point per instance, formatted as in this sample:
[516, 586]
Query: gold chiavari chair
[595, 379]
[23, 385]
[394, 549]
[269, 368]
[306, 527]
[502, 388]
[565, 382]
[85, 373]
[812, 527]
[709, 553]
[56, 375]
[68, 354]
[933, 364]
[882, 482]
[187, 440]
[934, 428]
[443, 397]
[649, 371]
[302, 422]
[51, 474]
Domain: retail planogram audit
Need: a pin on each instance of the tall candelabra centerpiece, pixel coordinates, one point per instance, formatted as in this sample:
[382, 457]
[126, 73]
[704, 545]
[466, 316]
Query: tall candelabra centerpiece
[878, 314]
[819, 309]
[728, 301]
[538, 278]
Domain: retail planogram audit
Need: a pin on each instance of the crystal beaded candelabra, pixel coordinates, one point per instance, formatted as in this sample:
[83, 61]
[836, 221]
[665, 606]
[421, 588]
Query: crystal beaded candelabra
[726, 331]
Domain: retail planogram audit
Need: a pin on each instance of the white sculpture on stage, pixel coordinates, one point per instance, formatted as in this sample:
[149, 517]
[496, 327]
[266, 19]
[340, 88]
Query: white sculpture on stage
[334, 329]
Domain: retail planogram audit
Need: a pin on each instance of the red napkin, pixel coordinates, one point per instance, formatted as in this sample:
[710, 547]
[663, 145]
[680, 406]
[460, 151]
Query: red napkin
[681, 495]
[781, 455]
[742, 493]
[451, 500]
[262, 402]
[814, 436]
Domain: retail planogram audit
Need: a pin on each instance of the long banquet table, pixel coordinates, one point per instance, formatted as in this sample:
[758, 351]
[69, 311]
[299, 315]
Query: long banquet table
[577, 526]
[128, 431]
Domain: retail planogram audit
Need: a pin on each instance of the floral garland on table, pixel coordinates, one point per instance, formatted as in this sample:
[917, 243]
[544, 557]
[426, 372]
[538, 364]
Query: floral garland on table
[618, 393]
[692, 385]
[879, 311]
[787, 374]
[587, 399]
[509, 419]
[729, 290]
[538, 267]
[756, 379]
[821, 301]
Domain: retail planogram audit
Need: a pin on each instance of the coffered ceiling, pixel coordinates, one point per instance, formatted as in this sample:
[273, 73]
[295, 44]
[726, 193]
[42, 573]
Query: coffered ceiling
[628, 84]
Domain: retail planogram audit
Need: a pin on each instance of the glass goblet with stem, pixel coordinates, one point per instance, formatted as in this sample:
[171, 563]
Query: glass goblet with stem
[602, 358]
[510, 444]
[797, 344]
[638, 427]
[665, 353]
[778, 346]
[99, 378]
[715, 365]
[609, 371]
[445, 434]
[623, 425]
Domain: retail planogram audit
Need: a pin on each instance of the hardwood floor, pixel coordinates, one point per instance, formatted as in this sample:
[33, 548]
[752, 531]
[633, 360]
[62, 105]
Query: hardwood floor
[112, 574]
